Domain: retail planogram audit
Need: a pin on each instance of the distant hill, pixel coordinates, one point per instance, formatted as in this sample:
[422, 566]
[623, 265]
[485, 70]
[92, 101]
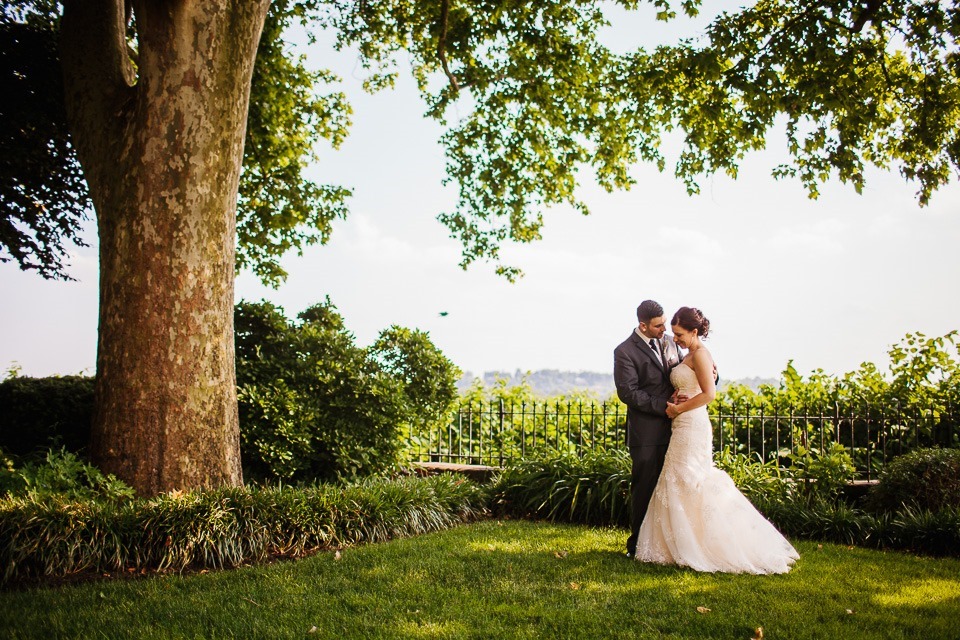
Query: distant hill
[548, 382]
[553, 382]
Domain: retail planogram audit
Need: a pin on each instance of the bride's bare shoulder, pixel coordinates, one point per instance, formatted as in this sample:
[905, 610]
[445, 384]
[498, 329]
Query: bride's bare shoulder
[702, 356]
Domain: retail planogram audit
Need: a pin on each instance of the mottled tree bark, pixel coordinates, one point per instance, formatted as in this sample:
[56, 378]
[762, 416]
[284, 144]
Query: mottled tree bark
[161, 145]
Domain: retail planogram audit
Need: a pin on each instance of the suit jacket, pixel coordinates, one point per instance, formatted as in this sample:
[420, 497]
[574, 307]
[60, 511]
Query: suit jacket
[643, 384]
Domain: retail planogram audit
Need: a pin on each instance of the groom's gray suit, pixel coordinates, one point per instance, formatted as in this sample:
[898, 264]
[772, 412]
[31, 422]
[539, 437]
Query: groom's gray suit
[643, 384]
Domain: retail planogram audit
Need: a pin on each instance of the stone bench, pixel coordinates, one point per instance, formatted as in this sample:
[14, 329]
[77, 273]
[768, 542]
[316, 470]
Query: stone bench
[477, 472]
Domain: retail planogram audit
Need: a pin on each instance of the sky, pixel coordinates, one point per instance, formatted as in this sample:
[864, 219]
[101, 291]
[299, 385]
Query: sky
[827, 283]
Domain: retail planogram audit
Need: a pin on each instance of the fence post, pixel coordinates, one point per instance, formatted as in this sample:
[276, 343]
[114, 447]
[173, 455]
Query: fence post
[866, 407]
[580, 425]
[523, 433]
[559, 428]
[616, 418]
[763, 435]
[720, 425]
[823, 443]
[900, 429]
[500, 430]
[836, 424]
[776, 431]
[605, 432]
[470, 425]
[593, 426]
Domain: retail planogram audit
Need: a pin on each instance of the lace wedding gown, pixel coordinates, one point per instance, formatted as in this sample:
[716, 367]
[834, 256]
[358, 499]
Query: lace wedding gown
[697, 517]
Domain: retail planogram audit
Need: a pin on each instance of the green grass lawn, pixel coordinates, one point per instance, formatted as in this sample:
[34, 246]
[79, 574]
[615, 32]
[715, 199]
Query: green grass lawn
[507, 580]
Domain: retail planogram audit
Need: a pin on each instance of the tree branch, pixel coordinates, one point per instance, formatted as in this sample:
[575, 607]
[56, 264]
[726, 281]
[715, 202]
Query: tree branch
[867, 14]
[98, 74]
[442, 44]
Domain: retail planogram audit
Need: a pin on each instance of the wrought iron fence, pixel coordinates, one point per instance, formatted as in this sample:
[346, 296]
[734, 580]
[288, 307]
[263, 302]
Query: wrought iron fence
[494, 433]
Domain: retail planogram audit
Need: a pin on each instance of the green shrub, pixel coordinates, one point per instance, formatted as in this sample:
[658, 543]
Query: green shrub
[315, 406]
[820, 476]
[277, 432]
[755, 478]
[54, 536]
[60, 473]
[916, 530]
[40, 412]
[924, 479]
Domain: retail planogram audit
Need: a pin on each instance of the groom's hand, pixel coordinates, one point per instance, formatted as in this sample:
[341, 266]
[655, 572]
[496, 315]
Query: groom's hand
[678, 397]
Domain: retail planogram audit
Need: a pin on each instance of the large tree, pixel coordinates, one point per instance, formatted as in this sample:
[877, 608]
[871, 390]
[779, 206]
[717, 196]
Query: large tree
[160, 142]
[157, 96]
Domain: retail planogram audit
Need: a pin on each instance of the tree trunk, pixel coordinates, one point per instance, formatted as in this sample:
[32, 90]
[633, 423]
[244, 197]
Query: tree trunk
[161, 148]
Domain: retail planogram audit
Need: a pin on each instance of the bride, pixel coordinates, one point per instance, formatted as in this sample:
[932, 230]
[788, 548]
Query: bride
[697, 517]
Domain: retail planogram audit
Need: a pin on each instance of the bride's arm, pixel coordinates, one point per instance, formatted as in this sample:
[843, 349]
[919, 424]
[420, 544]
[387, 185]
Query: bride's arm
[703, 367]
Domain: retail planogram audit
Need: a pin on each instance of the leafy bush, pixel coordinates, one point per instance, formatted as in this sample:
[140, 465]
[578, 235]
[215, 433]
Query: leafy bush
[427, 377]
[914, 403]
[60, 473]
[53, 536]
[925, 479]
[755, 478]
[313, 405]
[820, 476]
[40, 412]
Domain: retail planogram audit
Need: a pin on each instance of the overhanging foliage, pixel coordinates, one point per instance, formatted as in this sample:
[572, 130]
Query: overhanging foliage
[533, 99]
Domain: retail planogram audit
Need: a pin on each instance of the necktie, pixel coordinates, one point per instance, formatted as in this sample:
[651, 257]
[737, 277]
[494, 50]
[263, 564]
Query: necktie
[656, 350]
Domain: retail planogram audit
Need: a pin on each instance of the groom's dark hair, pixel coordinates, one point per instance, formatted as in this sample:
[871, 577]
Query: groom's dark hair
[648, 310]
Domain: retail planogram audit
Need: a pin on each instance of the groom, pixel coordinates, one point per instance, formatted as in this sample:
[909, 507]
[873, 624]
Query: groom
[641, 371]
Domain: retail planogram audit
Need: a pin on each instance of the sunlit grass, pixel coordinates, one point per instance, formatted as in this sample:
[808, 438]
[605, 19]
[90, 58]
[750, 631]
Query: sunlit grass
[508, 580]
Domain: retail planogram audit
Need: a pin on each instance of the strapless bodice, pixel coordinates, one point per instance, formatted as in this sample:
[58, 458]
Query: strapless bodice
[684, 380]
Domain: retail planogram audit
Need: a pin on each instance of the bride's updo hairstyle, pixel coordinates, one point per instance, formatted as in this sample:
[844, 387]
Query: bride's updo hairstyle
[690, 318]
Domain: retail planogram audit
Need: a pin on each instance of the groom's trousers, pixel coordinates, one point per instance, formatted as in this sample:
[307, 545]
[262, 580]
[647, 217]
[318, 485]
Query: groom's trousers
[647, 465]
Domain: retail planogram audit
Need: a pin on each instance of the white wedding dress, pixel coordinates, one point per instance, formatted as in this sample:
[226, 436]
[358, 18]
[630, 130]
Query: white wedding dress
[697, 517]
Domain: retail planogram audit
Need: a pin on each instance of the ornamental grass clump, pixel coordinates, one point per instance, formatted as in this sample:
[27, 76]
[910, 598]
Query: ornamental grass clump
[375, 509]
[825, 521]
[215, 529]
[931, 532]
[55, 536]
[52, 536]
[594, 489]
